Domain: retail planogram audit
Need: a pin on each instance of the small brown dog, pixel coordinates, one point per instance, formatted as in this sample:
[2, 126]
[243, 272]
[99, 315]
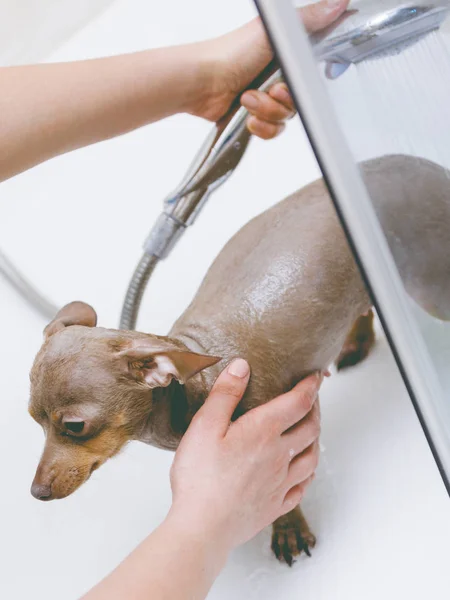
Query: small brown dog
[284, 293]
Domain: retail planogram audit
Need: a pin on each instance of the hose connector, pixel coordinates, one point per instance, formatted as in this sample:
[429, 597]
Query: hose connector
[163, 236]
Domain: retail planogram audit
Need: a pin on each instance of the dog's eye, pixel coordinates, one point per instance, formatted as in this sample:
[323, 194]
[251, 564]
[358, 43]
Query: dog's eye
[74, 427]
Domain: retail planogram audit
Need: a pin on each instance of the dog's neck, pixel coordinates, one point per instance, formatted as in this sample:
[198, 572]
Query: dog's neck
[167, 421]
[173, 407]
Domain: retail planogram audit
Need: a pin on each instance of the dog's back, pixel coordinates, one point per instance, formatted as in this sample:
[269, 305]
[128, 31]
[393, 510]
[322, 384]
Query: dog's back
[285, 290]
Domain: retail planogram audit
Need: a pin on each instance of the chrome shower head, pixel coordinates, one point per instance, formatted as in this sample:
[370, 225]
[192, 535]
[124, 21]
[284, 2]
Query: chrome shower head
[372, 28]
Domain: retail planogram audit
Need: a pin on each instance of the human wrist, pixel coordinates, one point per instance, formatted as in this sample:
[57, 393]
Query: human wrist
[226, 72]
[199, 529]
[198, 71]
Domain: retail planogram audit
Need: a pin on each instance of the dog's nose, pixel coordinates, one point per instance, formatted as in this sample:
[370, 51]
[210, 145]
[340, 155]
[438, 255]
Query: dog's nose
[41, 492]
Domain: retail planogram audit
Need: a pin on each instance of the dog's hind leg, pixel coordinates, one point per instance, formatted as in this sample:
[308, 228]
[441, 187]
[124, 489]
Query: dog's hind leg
[359, 342]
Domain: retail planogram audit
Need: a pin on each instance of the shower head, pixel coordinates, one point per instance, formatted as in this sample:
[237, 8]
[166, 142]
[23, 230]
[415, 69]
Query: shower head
[372, 28]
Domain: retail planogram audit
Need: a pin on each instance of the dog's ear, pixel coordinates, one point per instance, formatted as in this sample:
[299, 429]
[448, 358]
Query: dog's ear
[157, 363]
[75, 313]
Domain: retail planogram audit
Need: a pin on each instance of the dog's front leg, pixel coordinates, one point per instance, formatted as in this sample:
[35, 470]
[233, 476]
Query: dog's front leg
[291, 536]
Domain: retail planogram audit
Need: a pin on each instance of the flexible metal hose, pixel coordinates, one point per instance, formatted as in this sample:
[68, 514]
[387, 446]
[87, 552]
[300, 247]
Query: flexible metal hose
[218, 157]
[26, 289]
[136, 289]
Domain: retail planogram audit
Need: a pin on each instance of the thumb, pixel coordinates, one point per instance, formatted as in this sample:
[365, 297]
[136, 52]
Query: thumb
[225, 396]
[321, 14]
[246, 51]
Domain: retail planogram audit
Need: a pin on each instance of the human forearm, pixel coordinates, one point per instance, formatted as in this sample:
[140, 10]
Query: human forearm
[46, 110]
[179, 560]
[49, 109]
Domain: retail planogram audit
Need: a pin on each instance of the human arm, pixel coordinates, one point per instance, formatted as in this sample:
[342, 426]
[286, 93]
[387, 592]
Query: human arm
[50, 109]
[228, 483]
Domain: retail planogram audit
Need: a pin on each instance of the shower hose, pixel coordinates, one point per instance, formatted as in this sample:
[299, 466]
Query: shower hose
[28, 292]
[48, 310]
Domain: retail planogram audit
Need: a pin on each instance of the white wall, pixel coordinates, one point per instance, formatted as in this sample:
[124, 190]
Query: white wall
[75, 226]
[31, 29]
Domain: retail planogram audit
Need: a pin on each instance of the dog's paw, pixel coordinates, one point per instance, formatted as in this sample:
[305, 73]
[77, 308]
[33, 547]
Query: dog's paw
[358, 344]
[290, 543]
[291, 536]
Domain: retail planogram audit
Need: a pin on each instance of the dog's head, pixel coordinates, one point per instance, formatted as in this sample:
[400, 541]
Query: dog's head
[91, 391]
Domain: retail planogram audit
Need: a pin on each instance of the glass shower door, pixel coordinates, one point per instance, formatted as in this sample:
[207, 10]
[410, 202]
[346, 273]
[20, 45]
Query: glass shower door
[377, 83]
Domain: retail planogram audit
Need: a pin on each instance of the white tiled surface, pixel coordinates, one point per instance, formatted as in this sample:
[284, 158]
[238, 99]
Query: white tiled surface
[75, 226]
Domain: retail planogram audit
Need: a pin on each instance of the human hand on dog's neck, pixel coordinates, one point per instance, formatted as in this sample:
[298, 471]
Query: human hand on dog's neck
[228, 482]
